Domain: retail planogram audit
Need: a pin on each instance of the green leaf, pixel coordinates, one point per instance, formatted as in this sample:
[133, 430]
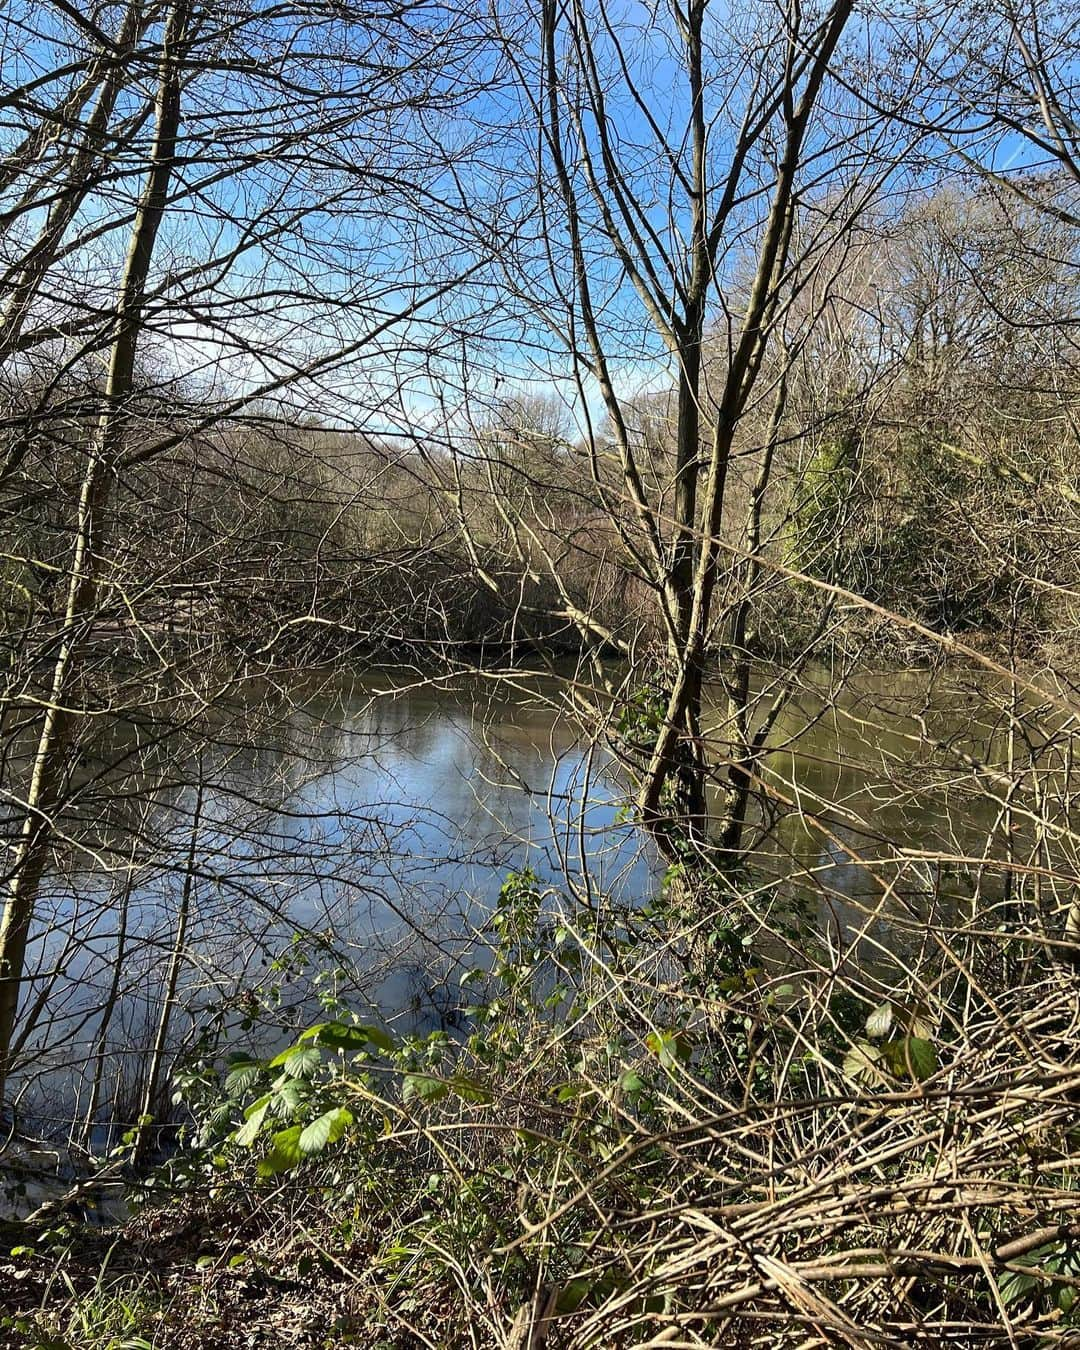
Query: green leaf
[326, 1129]
[862, 1064]
[468, 1089]
[379, 1038]
[289, 1094]
[242, 1076]
[254, 1117]
[422, 1087]
[880, 1021]
[1014, 1285]
[284, 1154]
[313, 1033]
[573, 1294]
[631, 1082]
[299, 1061]
[264, 1100]
[343, 1036]
[922, 1056]
[669, 1047]
[220, 1116]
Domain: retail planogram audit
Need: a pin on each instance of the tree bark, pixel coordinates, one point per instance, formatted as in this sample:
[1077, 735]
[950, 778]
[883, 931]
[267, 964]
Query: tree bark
[60, 721]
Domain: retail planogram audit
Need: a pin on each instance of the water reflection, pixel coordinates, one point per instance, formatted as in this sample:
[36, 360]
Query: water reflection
[361, 839]
[378, 824]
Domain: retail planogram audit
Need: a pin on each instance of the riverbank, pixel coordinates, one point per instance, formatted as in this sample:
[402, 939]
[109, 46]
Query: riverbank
[739, 1178]
[840, 1095]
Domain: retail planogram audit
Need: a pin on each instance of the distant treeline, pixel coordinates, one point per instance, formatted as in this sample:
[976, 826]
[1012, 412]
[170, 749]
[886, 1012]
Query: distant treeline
[918, 448]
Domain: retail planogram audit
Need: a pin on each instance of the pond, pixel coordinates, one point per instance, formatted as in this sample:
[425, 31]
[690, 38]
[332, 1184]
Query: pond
[349, 837]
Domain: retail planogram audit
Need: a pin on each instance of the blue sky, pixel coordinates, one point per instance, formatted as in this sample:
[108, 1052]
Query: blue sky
[329, 245]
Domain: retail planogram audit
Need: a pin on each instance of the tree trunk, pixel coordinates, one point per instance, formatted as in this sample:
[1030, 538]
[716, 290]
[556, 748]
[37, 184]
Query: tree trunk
[172, 979]
[60, 721]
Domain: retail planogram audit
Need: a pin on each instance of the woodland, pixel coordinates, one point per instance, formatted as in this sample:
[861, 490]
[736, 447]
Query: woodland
[539, 674]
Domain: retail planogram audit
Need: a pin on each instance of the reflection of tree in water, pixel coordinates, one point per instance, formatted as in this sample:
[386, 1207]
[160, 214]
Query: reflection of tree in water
[375, 829]
[379, 829]
[259, 863]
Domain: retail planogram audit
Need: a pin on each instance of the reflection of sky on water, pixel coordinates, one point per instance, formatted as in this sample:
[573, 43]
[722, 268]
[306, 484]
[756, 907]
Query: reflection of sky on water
[383, 827]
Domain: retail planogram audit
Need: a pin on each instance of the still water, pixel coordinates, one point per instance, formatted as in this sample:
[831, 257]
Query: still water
[350, 838]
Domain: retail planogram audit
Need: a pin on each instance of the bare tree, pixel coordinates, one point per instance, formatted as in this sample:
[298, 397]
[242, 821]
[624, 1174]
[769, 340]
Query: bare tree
[691, 171]
[210, 216]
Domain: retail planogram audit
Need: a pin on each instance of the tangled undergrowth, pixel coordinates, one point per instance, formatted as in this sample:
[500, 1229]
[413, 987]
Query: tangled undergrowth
[648, 1134]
